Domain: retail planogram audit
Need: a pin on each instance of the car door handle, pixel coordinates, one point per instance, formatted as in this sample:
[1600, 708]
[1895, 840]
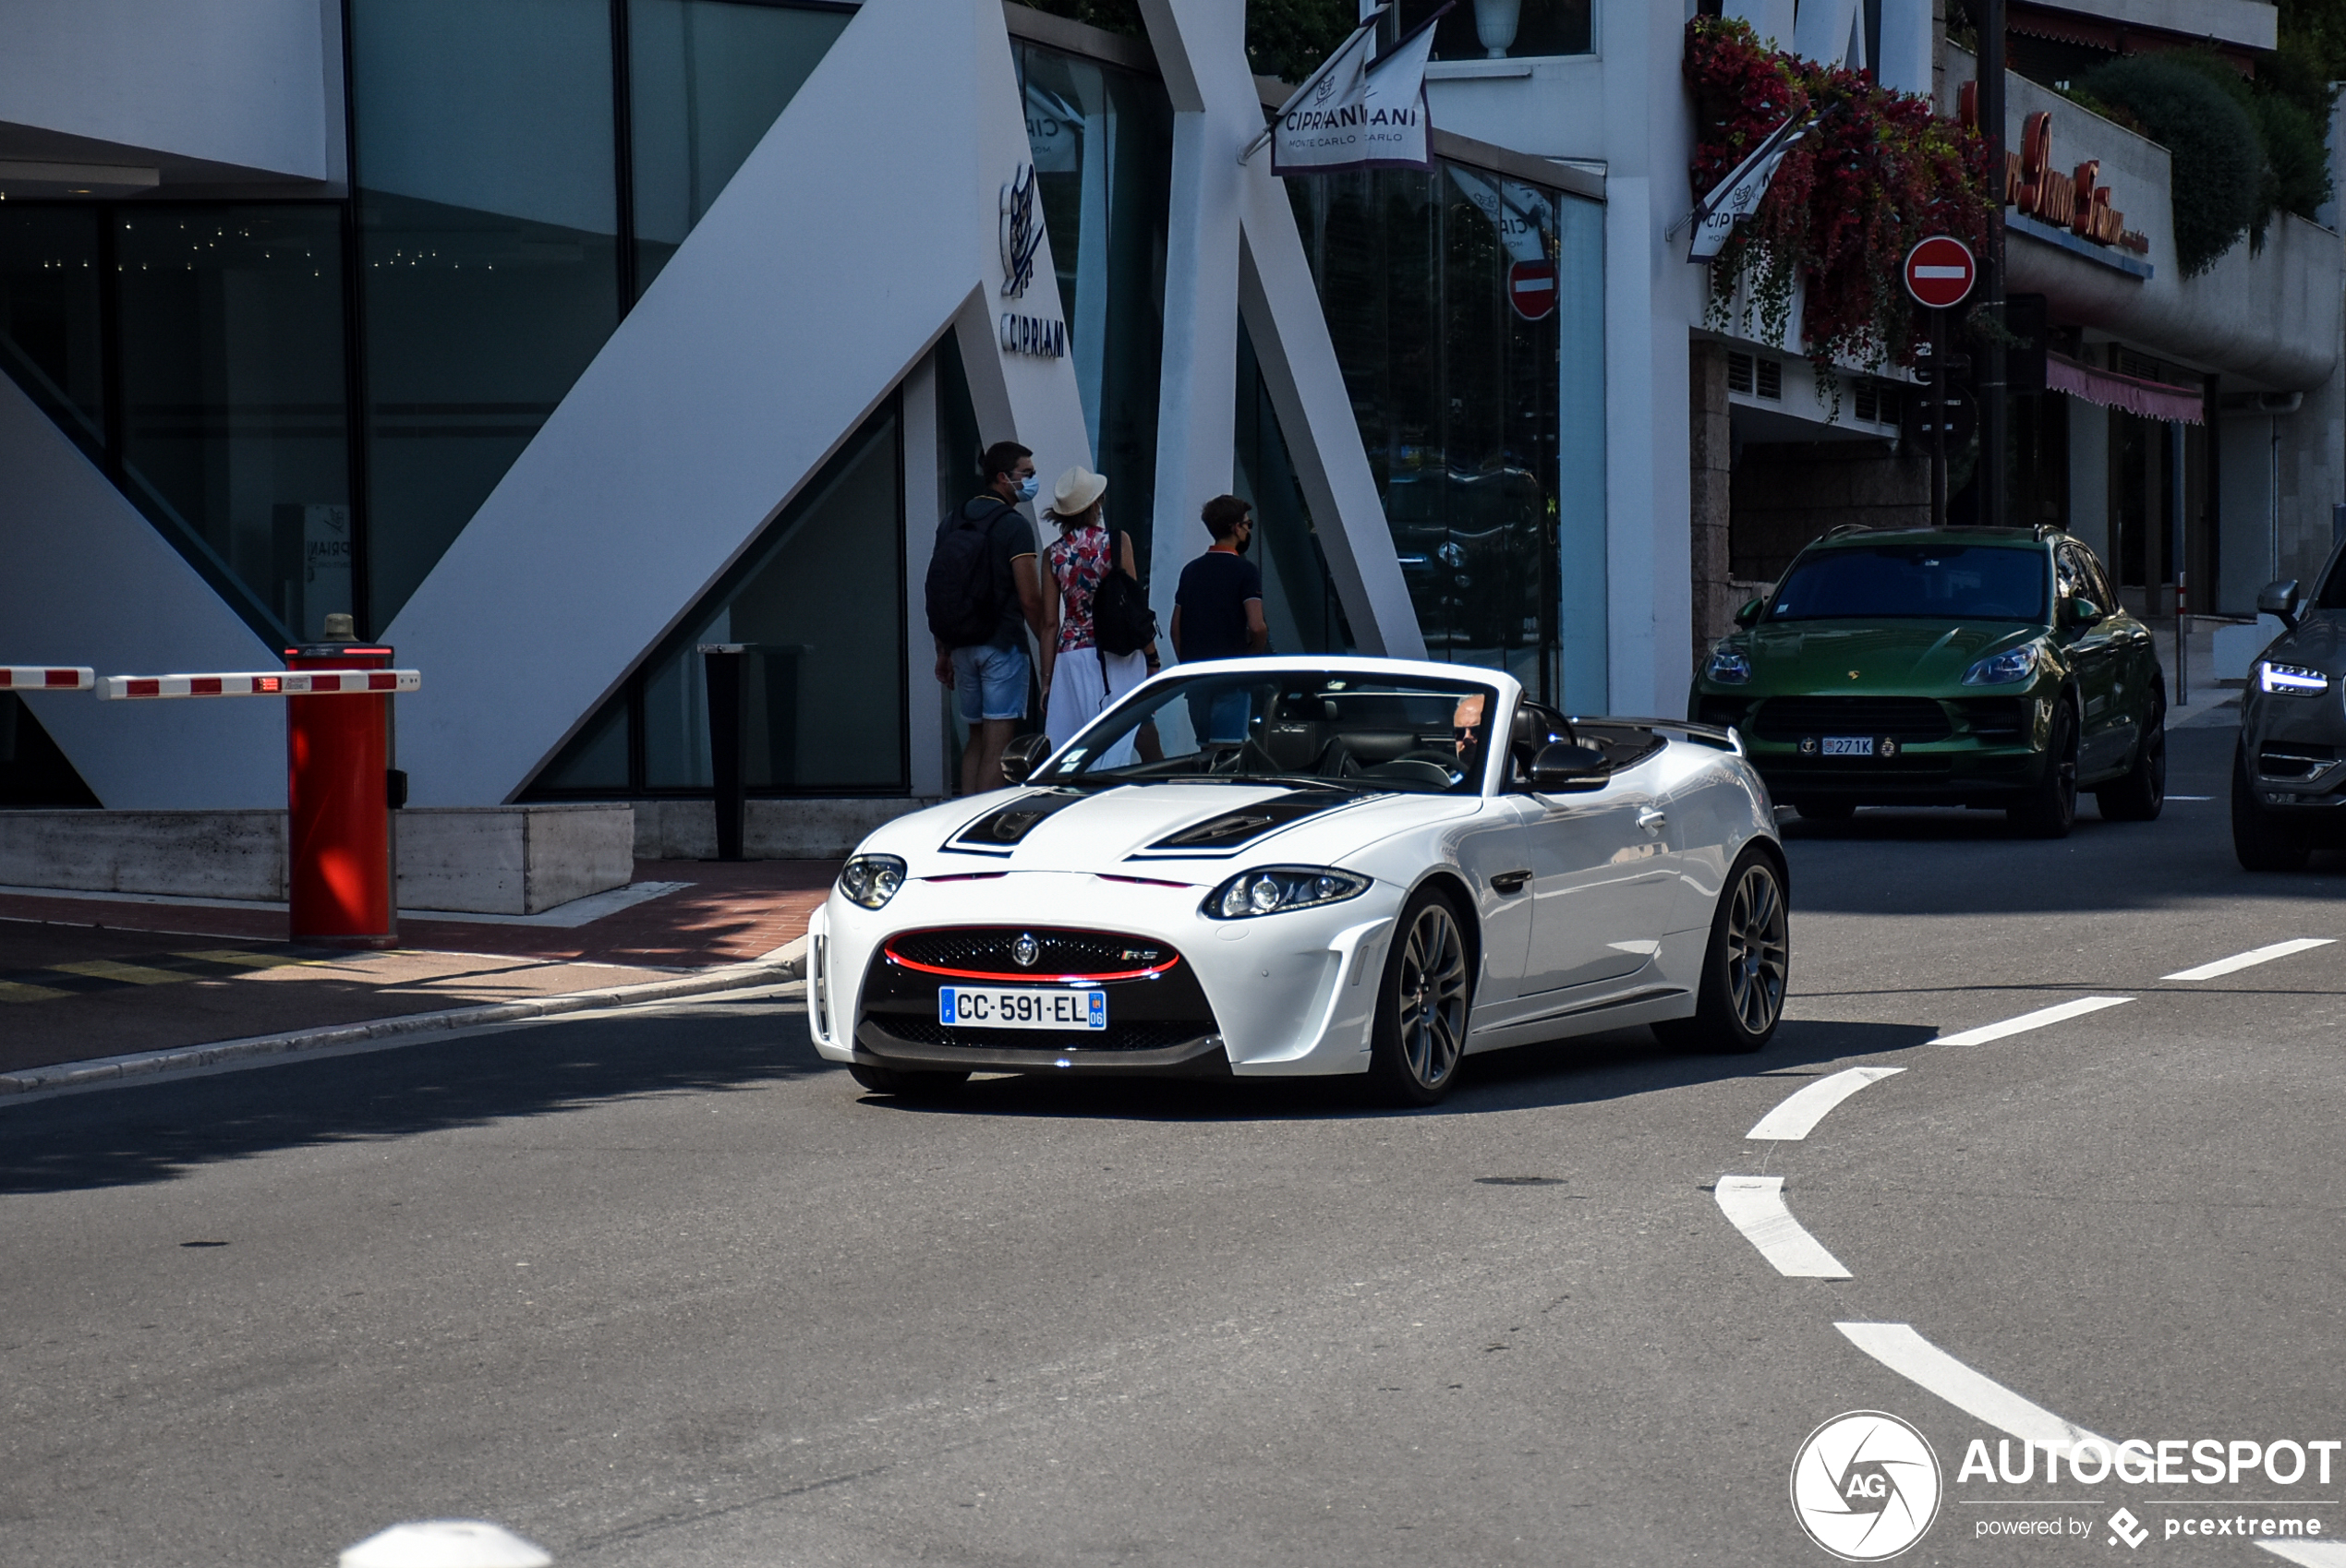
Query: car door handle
[1511, 881]
[1653, 821]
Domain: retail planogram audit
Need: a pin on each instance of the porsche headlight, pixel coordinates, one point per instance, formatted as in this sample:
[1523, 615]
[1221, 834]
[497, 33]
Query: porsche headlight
[2004, 668]
[1729, 667]
[871, 880]
[2295, 680]
[1277, 888]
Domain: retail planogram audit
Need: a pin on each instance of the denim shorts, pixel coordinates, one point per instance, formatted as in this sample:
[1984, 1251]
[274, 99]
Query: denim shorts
[990, 681]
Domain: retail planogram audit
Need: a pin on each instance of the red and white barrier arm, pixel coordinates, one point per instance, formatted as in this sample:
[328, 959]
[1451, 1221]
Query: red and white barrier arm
[276, 683]
[46, 678]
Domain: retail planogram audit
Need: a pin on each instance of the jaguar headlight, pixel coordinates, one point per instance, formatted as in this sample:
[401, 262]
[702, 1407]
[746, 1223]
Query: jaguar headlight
[1274, 889]
[1729, 667]
[2004, 668]
[2294, 680]
[871, 880]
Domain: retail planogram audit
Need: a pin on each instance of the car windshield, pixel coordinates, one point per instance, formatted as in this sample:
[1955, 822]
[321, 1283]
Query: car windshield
[1330, 729]
[1930, 581]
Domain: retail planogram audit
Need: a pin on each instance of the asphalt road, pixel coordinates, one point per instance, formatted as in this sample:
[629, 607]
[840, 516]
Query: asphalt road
[660, 1288]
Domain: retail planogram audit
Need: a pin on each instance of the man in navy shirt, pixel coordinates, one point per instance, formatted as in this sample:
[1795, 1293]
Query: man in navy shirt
[1218, 610]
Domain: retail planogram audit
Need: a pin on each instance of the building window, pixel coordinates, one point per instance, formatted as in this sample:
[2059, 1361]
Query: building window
[1449, 296]
[817, 605]
[1509, 29]
[1102, 142]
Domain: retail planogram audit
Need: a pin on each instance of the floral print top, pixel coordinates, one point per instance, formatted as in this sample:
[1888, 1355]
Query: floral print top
[1079, 560]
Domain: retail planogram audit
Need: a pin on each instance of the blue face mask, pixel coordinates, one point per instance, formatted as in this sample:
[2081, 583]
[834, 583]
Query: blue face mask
[1028, 486]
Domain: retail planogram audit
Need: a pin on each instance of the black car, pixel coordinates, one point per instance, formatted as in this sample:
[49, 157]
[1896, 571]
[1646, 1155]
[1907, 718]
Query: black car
[2289, 781]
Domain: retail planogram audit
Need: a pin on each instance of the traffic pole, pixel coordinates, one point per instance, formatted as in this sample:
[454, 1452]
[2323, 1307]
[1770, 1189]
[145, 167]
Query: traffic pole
[1988, 386]
[1938, 418]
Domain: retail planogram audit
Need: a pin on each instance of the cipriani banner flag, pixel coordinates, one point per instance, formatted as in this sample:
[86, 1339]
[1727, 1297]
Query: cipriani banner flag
[1354, 112]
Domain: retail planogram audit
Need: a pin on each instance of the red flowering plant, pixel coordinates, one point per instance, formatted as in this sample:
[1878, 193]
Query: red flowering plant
[1878, 172]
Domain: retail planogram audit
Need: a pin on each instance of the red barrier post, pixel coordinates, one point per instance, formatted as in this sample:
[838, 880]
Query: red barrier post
[338, 792]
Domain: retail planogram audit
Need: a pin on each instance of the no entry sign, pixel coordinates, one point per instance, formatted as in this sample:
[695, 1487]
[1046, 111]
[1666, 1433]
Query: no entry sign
[1939, 272]
[1532, 289]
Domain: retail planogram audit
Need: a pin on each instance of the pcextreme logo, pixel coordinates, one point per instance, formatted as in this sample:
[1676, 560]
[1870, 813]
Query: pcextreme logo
[1866, 1486]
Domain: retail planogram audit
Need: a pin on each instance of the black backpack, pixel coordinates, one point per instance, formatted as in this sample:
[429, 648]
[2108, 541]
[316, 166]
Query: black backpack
[962, 609]
[1122, 621]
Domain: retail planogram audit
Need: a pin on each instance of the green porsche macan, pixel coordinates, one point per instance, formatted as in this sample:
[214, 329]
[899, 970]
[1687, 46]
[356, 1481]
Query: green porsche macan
[1974, 667]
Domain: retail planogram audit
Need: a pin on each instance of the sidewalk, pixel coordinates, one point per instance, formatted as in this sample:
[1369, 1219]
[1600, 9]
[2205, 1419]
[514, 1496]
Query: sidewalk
[2205, 702]
[85, 977]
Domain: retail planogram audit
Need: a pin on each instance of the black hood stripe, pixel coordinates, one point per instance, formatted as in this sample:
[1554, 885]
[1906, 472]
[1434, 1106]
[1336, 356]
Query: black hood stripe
[1006, 827]
[1246, 824]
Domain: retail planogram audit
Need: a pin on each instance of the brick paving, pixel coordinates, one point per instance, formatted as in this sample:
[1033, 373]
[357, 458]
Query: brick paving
[82, 978]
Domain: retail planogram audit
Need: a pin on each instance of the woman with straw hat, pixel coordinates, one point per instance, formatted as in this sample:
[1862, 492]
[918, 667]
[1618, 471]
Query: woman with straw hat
[1079, 679]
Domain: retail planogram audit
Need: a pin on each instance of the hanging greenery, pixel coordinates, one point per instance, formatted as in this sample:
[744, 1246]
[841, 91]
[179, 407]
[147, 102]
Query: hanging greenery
[1879, 172]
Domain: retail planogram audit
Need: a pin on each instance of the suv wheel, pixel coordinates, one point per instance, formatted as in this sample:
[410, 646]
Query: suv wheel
[2139, 793]
[2050, 810]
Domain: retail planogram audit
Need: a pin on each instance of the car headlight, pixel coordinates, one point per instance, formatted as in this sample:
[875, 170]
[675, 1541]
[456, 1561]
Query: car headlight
[871, 880]
[2004, 668]
[1729, 667]
[1277, 888]
[2296, 680]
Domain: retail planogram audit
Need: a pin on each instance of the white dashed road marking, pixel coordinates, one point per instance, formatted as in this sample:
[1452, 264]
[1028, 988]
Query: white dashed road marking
[2027, 1021]
[1907, 1353]
[1754, 1205]
[2251, 959]
[1798, 1116]
[2310, 1554]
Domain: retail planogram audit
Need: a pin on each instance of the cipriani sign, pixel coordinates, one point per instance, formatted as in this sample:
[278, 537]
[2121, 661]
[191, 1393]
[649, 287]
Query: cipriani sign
[1022, 232]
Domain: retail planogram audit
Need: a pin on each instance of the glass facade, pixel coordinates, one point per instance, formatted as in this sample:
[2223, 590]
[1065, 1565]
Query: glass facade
[817, 605]
[1488, 30]
[1460, 390]
[1102, 142]
[195, 352]
[706, 79]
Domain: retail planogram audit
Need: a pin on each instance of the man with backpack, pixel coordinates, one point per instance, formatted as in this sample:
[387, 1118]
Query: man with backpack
[982, 598]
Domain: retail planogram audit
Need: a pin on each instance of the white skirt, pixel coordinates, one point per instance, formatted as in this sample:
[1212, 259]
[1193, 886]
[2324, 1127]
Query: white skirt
[1079, 695]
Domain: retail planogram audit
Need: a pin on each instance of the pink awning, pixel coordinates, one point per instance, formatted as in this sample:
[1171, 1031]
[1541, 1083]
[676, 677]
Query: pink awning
[2152, 399]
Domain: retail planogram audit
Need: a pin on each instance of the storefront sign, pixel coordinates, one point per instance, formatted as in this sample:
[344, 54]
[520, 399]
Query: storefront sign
[2076, 201]
[1038, 335]
[1022, 233]
[1354, 114]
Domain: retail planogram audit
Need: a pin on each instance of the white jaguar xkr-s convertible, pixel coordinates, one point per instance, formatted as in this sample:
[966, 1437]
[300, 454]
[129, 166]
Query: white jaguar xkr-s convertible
[1278, 867]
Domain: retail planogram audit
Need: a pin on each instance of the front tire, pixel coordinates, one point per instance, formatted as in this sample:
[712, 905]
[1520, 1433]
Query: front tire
[2141, 793]
[2259, 842]
[1745, 965]
[2051, 808]
[906, 1083]
[1422, 1004]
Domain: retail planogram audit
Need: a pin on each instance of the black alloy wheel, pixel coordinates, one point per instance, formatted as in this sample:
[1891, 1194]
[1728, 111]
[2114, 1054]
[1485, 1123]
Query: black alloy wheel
[2259, 842]
[2140, 793]
[2051, 808]
[1421, 1004]
[1747, 965]
[906, 1083]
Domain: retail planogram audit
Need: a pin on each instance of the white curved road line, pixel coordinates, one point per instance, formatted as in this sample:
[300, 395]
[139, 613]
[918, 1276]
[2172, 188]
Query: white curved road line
[2251, 959]
[1754, 1205]
[2310, 1554]
[1907, 1353]
[2027, 1021]
[1800, 1115]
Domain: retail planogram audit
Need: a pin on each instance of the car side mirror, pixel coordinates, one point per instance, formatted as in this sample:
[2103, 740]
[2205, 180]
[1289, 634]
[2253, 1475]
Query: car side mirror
[2280, 600]
[1749, 614]
[1568, 766]
[1024, 755]
[2079, 612]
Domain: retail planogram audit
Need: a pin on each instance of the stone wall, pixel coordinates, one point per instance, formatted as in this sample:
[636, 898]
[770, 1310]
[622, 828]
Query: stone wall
[808, 828]
[1786, 494]
[1711, 461]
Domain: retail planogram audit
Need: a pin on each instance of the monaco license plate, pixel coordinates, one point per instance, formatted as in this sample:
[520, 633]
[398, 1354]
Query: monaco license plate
[1024, 1006]
[1849, 745]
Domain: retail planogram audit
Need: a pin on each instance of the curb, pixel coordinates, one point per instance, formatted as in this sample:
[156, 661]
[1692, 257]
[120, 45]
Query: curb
[783, 965]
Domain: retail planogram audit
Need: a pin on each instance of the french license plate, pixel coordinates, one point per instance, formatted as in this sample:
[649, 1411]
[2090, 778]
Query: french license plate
[986, 1007]
[1849, 745]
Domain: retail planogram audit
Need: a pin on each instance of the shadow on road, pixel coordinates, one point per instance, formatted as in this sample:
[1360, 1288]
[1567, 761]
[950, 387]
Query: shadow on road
[157, 1132]
[1949, 861]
